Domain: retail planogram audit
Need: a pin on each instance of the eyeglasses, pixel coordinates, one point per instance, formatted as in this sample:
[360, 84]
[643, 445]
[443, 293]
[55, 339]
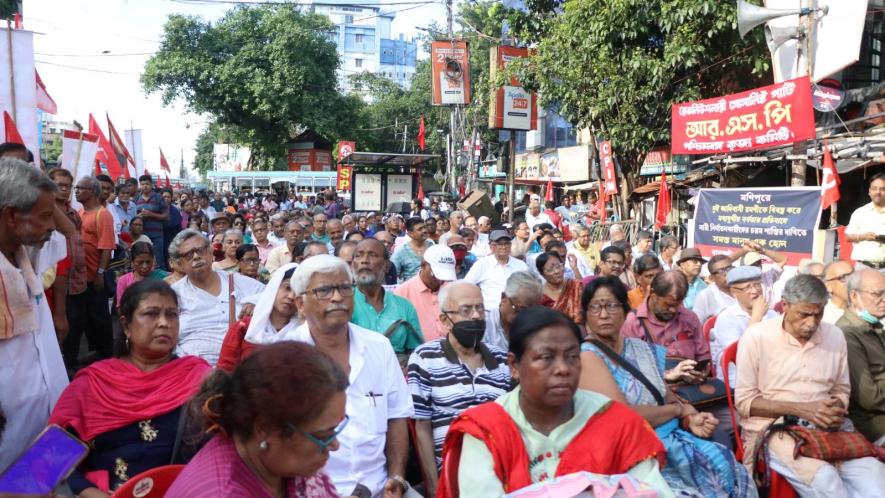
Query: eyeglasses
[610, 308]
[722, 270]
[250, 261]
[878, 294]
[199, 251]
[326, 291]
[467, 310]
[842, 278]
[515, 308]
[322, 443]
[752, 285]
[612, 262]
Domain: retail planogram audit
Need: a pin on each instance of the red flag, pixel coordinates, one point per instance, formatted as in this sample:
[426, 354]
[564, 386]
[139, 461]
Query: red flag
[830, 181]
[168, 183]
[421, 134]
[548, 195]
[164, 164]
[12, 134]
[18, 24]
[663, 202]
[119, 147]
[44, 100]
[105, 153]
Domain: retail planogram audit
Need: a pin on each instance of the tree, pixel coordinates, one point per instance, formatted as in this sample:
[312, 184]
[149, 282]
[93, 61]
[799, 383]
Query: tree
[616, 66]
[264, 72]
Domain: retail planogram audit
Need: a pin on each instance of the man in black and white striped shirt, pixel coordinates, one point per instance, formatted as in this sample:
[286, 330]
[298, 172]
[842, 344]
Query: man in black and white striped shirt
[451, 374]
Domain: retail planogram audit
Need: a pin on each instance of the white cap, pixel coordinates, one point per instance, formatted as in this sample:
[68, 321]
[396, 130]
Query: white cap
[442, 262]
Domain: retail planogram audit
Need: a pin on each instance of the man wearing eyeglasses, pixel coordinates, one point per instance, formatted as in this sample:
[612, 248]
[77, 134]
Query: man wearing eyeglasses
[690, 263]
[522, 290]
[836, 275]
[866, 229]
[745, 285]
[862, 325]
[371, 459]
[453, 374]
[716, 297]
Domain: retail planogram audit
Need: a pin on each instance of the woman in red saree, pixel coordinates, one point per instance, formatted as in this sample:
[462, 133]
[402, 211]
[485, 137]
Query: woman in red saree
[546, 427]
[560, 294]
[128, 408]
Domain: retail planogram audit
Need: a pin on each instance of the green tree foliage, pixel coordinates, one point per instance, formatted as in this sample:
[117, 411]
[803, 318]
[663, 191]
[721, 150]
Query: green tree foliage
[265, 73]
[616, 66]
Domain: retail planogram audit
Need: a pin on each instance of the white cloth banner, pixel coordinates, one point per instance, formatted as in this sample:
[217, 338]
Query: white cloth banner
[78, 156]
[24, 79]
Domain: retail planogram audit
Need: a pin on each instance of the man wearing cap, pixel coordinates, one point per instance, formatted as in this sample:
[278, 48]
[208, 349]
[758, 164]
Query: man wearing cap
[491, 272]
[464, 259]
[716, 297]
[220, 223]
[422, 290]
[745, 285]
[690, 263]
[750, 254]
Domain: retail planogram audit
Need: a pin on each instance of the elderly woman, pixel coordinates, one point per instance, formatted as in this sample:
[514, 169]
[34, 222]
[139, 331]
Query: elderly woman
[210, 300]
[142, 256]
[276, 419]
[560, 293]
[275, 313]
[695, 466]
[545, 427]
[249, 263]
[127, 408]
[233, 238]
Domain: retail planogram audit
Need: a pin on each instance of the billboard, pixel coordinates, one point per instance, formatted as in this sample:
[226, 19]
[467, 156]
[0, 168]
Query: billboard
[450, 72]
[399, 188]
[230, 157]
[511, 107]
[367, 192]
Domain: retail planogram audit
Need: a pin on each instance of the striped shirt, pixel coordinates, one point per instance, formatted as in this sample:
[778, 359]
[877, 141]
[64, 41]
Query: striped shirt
[442, 387]
[155, 204]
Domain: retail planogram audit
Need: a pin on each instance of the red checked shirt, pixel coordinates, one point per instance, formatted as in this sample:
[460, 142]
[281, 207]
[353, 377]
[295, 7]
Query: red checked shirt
[681, 336]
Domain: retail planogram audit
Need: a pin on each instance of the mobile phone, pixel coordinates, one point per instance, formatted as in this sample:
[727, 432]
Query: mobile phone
[702, 365]
[45, 464]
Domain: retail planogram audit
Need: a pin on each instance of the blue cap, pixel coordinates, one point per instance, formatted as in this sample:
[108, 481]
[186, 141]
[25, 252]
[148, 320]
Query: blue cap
[742, 274]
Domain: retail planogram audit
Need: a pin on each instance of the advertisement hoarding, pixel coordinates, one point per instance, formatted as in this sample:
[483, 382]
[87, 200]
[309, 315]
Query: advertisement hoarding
[511, 107]
[450, 72]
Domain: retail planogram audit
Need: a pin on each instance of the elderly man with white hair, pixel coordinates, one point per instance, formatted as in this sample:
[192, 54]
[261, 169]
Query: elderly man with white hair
[374, 445]
[452, 374]
[521, 291]
[481, 247]
[209, 300]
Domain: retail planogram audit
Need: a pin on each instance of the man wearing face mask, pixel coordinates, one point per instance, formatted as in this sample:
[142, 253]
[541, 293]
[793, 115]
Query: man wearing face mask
[450, 375]
[862, 325]
[464, 259]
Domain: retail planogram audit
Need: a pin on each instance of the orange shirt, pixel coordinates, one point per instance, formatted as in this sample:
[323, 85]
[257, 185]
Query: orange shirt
[426, 303]
[635, 297]
[96, 233]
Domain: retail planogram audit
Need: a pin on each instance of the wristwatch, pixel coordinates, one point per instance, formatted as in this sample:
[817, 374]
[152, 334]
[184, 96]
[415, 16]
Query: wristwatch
[100, 271]
[402, 482]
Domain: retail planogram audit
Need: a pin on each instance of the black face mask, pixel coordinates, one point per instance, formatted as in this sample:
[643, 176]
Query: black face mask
[469, 333]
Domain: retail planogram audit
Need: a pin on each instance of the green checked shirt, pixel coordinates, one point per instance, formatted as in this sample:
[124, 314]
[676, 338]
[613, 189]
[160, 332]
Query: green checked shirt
[395, 308]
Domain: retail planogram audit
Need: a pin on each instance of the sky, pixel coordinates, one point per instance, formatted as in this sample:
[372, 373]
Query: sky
[71, 36]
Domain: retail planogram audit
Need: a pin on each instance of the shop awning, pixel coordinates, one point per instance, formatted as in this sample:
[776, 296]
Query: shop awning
[386, 159]
[582, 186]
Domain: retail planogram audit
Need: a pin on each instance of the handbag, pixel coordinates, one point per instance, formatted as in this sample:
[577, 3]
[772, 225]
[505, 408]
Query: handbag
[708, 393]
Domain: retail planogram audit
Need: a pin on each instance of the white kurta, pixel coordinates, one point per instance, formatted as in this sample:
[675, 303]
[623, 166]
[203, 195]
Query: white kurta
[32, 373]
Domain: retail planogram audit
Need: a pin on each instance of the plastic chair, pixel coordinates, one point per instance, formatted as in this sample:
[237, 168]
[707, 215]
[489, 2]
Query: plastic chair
[779, 487]
[708, 328]
[151, 483]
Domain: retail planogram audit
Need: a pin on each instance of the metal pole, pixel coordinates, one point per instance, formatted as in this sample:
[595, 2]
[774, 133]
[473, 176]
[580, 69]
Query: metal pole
[11, 69]
[511, 173]
[806, 68]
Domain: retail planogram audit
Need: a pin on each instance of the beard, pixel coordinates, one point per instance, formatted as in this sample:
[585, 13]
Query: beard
[367, 278]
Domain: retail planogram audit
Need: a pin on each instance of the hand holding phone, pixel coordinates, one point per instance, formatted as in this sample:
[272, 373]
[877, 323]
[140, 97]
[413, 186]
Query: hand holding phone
[45, 464]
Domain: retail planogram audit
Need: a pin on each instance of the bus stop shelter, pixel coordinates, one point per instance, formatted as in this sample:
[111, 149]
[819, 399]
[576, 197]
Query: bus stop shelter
[379, 179]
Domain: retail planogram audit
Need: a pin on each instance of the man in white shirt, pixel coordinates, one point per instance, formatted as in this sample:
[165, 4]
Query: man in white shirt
[745, 284]
[373, 448]
[866, 228]
[32, 373]
[491, 272]
[836, 275]
[534, 215]
[715, 297]
[522, 291]
[751, 254]
[204, 297]
[669, 246]
[455, 219]
[277, 236]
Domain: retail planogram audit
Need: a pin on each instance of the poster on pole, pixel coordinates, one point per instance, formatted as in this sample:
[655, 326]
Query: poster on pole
[608, 167]
[511, 107]
[399, 188]
[450, 72]
[782, 219]
[343, 180]
[770, 116]
[367, 192]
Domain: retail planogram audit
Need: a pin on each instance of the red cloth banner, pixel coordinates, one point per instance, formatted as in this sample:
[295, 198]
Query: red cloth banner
[164, 164]
[12, 134]
[663, 210]
[830, 182]
[344, 175]
[345, 149]
[105, 153]
[765, 117]
[608, 167]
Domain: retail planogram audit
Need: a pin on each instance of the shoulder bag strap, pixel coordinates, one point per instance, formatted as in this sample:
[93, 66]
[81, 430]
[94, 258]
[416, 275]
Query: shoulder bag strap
[232, 301]
[648, 337]
[630, 368]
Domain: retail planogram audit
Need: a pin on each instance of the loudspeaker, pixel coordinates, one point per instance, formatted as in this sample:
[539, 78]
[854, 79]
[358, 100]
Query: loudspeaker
[749, 16]
[477, 203]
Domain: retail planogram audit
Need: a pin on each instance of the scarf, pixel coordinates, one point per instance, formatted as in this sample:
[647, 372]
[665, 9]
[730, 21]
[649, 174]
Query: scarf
[114, 393]
[19, 286]
[260, 330]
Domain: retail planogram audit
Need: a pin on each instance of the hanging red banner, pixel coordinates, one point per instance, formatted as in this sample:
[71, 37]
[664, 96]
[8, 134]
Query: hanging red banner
[344, 174]
[608, 167]
[765, 117]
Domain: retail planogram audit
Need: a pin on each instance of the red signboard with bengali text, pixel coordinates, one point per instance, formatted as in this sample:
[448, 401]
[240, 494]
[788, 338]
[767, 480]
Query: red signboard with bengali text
[608, 167]
[770, 116]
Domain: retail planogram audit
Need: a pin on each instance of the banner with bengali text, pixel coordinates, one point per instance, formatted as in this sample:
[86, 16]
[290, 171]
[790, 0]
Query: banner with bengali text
[780, 219]
[765, 117]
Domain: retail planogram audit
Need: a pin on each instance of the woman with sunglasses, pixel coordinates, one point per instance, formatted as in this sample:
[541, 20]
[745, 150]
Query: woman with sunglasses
[275, 421]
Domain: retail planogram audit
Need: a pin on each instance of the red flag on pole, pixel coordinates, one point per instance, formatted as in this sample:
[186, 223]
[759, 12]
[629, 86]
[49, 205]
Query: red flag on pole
[421, 134]
[105, 153]
[663, 209]
[12, 134]
[168, 183]
[830, 181]
[120, 150]
[548, 195]
[164, 164]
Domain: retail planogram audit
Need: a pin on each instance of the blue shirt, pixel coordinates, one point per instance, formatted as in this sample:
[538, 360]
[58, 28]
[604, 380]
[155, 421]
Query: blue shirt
[122, 215]
[694, 289]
